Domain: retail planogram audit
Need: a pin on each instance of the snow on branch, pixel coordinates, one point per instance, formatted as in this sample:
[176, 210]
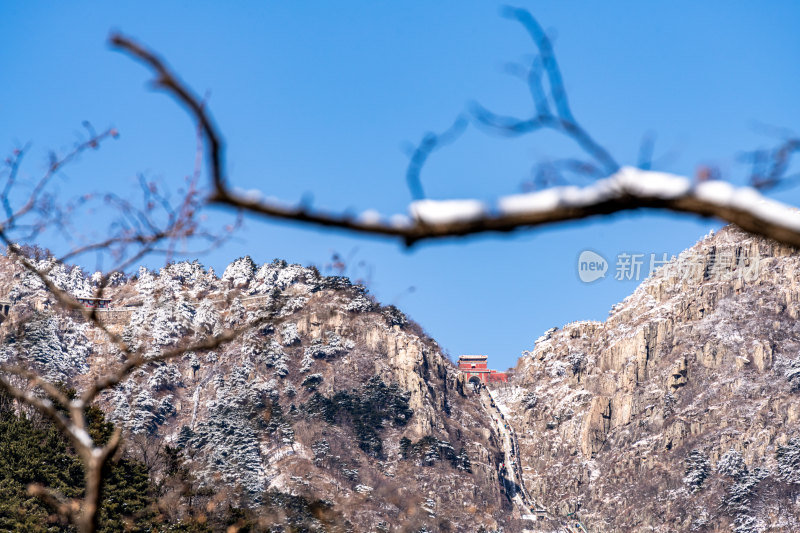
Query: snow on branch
[626, 189]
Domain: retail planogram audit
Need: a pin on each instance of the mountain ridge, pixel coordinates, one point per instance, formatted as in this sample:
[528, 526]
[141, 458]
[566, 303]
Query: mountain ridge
[330, 396]
[679, 411]
[690, 371]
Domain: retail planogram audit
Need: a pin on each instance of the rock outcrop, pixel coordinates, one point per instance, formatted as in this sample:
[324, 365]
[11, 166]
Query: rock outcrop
[614, 417]
[678, 413]
[331, 396]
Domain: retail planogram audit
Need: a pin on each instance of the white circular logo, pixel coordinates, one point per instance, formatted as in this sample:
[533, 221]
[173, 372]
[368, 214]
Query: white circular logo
[591, 266]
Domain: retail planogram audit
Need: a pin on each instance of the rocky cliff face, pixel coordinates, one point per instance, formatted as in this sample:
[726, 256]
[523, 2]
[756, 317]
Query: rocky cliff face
[332, 396]
[680, 412]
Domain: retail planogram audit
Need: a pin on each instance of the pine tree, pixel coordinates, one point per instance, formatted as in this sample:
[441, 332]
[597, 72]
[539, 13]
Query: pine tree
[697, 470]
[32, 450]
[789, 461]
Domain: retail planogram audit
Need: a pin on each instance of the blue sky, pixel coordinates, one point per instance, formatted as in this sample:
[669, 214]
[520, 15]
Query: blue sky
[320, 97]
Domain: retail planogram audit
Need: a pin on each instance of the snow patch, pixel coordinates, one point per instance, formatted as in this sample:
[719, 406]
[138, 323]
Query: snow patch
[447, 211]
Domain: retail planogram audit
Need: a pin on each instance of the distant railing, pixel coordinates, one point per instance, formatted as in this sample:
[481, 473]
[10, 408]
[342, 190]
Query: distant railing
[249, 302]
[115, 315]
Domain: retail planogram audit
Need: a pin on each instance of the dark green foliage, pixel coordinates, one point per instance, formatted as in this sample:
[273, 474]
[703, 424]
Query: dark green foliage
[405, 447]
[280, 513]
[99, 428]
[793, 375]
[321, 407]
[277, 512]
[34, 451]
[429, 449]
[127, 493]
[394, 316]
[248, 261]
[314, 271]
[740, 495]
[366, 409]
[298, 513]
[185, 436]
[789, 461]
[278, 425]
[336, 283]
[312, 382]
[697, 470]
[462, 461]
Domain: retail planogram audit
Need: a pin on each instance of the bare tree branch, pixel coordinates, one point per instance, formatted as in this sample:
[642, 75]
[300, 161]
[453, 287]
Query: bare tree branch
[646, 148]
[85, 512]
[138, 360]
[770, 166]
[157, 223]
[159, 226]
[170, 83]
[54, 166]
[548, 62]
[66, 507]
[625, 190]
[419, 155]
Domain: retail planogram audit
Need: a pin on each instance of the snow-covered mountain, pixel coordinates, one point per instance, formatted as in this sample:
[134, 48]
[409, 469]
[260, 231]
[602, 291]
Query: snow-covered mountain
[332, 396]
[680, 412]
